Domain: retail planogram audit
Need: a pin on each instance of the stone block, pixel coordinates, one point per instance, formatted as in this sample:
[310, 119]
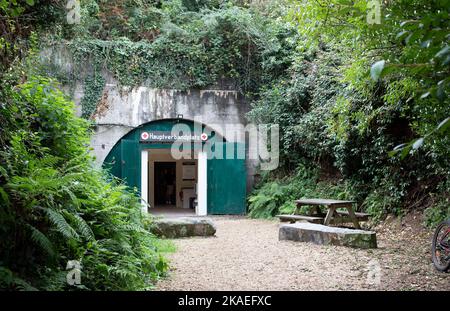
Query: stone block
[182, 227]
[325, 235]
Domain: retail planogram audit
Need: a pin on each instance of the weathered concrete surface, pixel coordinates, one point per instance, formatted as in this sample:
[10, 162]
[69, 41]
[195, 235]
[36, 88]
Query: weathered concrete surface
[221, 110]
[325, 235]
[122, 108]
[183, 227]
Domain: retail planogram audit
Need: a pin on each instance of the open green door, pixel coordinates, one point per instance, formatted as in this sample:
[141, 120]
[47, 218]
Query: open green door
[130, 163]
[227, 184]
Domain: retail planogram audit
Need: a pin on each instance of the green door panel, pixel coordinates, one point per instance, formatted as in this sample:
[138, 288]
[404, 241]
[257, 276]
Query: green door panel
[226, 184]
[113, 162]
[130, 163]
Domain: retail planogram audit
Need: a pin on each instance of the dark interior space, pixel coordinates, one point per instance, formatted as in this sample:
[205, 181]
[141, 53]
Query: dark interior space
[165, 183]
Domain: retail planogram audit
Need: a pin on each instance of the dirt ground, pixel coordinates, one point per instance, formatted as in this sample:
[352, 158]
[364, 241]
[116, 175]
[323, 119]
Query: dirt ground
[246, 255]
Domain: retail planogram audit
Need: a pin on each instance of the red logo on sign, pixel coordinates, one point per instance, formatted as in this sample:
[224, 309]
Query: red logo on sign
[204, 136]
[144, 136]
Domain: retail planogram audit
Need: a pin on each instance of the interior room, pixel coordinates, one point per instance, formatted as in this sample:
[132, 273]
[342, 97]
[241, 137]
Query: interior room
[172, 183]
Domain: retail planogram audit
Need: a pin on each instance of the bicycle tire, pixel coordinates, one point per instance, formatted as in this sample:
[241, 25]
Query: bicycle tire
[443, 267]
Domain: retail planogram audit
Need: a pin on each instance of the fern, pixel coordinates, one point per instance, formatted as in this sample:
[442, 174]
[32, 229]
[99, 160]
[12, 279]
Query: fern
[42, 241]
[61, 224]
[64, 208]
[81, 225]
[133, 227]
[21, 284]
[8, 280]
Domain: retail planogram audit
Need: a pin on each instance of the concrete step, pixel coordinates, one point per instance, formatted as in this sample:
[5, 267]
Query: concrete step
[182, 227]
[325, 235]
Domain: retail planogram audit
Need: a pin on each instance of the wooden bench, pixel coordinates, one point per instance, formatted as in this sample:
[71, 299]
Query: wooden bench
[333, 216]
[294, 218]
[360, 216]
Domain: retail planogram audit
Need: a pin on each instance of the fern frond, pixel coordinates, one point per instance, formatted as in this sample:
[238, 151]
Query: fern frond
[73, 197]
[4, 196]
[61, 224]
[23, 285]
[132, 227]
[83, 227]
[41, 240]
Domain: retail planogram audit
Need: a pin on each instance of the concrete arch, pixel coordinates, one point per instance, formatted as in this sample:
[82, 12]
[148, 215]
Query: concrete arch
[121, 112]
[218, 133]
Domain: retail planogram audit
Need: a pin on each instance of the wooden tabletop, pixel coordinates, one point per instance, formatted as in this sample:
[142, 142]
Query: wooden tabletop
[326, 202]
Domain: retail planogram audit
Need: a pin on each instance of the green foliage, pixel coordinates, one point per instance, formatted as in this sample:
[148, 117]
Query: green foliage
[18, 19]
[276, 196]
[93, 90]
[440, 209]
[409, 42]
[55, 207]
[355, 91]
[188, 47]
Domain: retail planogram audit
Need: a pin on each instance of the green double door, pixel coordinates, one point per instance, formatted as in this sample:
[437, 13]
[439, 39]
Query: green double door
[226, 178]
[227, 184]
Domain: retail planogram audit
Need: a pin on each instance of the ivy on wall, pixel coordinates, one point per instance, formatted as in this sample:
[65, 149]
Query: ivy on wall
[93, 90]
[190, 47]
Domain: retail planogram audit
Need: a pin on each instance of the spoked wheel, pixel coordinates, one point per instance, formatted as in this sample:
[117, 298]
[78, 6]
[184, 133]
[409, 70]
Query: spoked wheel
[441, 246]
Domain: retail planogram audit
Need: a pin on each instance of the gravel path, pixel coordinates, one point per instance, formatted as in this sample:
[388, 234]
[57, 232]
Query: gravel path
[246, 255]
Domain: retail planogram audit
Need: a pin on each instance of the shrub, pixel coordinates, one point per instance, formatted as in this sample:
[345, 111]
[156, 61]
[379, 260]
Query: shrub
[278, 195]
[55, 206]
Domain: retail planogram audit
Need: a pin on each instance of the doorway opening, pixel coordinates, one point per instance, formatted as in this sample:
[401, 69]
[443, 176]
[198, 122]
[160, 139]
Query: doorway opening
[173, 187]
[165, 184]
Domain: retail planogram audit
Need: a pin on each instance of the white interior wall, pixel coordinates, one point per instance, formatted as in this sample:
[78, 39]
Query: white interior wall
[163, 155]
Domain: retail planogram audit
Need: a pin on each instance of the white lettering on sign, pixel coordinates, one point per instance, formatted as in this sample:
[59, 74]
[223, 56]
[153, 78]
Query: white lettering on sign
[171, 137]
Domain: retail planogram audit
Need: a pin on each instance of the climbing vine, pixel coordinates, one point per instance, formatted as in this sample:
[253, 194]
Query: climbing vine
[93, 90]
[187, 49]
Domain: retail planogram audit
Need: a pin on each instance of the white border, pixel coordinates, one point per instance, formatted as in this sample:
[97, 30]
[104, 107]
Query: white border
[202, 185]
[144, 180]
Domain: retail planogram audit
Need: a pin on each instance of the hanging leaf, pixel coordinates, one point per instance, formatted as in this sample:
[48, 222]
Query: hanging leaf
[426, 44]
[425, 95]
[444, 125]
[418, 143]
[442, 52]
[377, 69]
[401, 34]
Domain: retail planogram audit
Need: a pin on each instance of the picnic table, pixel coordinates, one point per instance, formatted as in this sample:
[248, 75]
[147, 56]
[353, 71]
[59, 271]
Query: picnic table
[333, 215]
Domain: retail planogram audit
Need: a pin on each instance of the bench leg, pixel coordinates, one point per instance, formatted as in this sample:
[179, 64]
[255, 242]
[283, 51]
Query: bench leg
[352, 215]
[297, 207]
[329, 216]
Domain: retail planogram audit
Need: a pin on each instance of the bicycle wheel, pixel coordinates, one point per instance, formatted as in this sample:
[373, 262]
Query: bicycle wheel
[441, 246]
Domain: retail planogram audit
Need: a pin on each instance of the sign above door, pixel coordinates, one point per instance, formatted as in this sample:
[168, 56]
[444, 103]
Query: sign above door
[168, 137]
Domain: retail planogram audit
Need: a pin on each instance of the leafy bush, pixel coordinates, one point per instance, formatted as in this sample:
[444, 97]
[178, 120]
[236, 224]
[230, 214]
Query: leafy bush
[348, 133]
[55, 206]
[276, 195]
[440, 208]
